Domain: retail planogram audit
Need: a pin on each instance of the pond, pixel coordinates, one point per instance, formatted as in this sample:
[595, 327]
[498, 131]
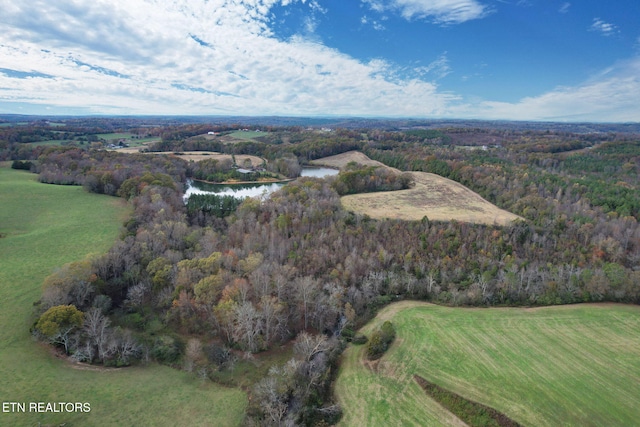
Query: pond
[251, 190]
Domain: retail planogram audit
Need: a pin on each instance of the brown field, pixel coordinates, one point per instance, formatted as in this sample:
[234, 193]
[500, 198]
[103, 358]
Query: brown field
[437, 198]
[433, 196]
[341, 160]
[196, 156]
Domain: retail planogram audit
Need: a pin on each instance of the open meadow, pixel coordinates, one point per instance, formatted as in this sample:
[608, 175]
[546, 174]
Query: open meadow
[574, 365]
[128, 137]
[197, 156]
[433, 196]
[339, 161]
[43, 227]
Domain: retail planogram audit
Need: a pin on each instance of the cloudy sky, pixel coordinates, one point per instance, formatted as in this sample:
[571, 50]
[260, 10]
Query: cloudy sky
[573, 60]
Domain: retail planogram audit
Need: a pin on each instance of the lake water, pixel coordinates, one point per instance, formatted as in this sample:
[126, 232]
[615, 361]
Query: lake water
[251, 190]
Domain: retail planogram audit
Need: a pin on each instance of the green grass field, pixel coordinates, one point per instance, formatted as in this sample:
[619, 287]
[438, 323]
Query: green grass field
[43, 227]
[247, 135]
[573, 365]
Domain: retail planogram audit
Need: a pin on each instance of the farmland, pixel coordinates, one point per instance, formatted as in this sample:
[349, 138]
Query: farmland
[341, 160]
[433, 196]
[197, 156]
[40, 233]
[438, 198]
[571, 365]
[244, 135]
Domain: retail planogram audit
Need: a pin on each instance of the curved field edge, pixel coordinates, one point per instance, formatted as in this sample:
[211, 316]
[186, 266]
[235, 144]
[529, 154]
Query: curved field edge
[433, 196]
[43, 227]
[568, 365]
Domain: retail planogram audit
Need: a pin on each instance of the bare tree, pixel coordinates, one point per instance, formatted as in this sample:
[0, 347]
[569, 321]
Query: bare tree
[96, 328]
[271, 311]
[272, 399]
[306, 289]
[248, 326]
[307, 346]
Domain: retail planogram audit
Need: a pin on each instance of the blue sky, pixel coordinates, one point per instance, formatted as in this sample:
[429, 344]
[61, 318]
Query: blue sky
[480, 59]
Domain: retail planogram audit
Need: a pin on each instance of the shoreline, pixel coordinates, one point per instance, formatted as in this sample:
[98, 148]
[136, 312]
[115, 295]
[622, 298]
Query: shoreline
[275, 181]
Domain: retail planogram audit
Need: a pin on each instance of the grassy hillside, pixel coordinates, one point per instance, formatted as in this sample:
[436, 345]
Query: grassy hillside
[341, 160]
[438, 198]
[570, 365]
[43, 227]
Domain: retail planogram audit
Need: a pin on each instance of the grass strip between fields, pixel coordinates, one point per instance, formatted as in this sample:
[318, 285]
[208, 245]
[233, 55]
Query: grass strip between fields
[472, 413]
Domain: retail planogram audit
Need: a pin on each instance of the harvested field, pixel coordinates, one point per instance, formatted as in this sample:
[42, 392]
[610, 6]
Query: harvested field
[341, 160]
[437, 198]
[197, 156]
[433, 196]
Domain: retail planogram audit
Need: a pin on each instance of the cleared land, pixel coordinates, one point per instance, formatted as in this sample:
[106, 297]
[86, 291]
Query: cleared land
[433, 196]
[44, 227]
[242, 135]
[569, 365]
[197, 156]
[341, 160]
[128, 137]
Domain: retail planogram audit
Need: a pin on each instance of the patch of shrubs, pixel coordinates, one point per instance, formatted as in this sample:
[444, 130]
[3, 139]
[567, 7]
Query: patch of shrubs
[380, 341]
[354, 337]
[472, 413]
[19, 164]
[359, 339]
[219, 355]
[167, 349]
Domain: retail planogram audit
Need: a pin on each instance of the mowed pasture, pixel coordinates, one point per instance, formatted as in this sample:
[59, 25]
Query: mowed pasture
[433, 196]
[242, 135]
[575, 365]
[43, 227]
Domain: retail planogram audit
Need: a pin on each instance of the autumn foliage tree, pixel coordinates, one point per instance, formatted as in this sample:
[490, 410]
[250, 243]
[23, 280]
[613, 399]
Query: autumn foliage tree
[58, 324]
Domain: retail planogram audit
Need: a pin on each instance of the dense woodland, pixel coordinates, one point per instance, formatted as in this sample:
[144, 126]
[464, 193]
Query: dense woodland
[195, 286]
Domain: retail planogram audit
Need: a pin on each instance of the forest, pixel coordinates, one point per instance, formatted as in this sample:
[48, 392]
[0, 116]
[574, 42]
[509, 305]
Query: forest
[195, 286]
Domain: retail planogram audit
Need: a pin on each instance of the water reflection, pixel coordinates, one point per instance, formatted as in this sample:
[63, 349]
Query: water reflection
[318, 172]
[239, 191]
[251, 190]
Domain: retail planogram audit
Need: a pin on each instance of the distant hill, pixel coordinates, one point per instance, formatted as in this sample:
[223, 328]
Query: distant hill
[327, 121]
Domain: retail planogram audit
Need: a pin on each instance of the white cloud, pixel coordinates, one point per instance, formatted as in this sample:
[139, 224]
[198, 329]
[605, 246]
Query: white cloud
[438, 68]
[374, 23]
[564, 8]
[222, 57]
[191, 57]
[611, 96]
[602, 27]
[440, 11]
